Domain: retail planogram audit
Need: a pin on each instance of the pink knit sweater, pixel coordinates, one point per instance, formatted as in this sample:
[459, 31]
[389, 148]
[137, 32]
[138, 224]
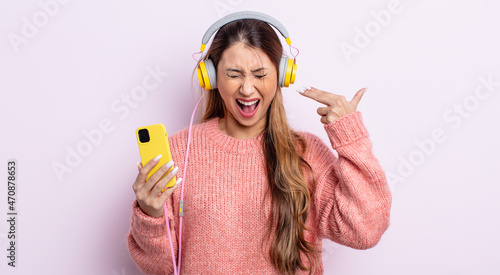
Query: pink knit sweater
[224, 212]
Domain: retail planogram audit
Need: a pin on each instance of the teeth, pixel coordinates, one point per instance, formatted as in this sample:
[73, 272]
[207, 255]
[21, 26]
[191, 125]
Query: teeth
[248, 103]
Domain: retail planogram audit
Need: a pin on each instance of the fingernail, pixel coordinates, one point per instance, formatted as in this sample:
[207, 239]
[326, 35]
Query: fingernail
[139, 164]
[174, 171]
[300, 91]
[157, 157]
[178, 181]
[169, 164]
[365, 90]
[307, 87]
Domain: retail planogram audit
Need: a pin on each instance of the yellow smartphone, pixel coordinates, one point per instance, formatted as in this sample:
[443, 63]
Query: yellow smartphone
[153, 140]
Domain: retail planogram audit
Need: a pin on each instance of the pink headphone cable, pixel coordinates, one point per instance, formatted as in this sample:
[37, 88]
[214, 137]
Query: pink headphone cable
[181, 203]
[169, 237]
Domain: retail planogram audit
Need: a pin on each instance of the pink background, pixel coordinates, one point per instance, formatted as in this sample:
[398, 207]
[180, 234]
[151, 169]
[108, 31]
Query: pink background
[68, 69]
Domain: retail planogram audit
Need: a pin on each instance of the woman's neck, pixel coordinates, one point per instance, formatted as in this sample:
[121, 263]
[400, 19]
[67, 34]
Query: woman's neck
[231, 127]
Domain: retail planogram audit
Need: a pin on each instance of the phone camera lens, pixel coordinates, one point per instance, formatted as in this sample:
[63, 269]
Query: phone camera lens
[144, 135]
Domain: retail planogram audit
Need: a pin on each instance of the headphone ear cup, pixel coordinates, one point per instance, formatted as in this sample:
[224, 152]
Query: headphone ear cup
[290, 72]
[212, 74]
[287, 73]
[207, 75]
[200, 74]
[282, 71]
[294, 72]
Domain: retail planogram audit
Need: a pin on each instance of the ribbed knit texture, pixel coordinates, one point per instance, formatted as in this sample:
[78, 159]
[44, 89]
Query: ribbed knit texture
[225, 212]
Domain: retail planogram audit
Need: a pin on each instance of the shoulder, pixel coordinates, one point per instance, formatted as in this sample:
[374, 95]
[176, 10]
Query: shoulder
[202, 127]
[317, 153]
[178, 140]
[311, 139]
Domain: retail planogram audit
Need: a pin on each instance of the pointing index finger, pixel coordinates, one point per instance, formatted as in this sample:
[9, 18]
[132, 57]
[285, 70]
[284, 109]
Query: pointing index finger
[315, 94]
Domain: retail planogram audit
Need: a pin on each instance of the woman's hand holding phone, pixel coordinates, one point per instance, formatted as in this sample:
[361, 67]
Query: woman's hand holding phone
[153, 193]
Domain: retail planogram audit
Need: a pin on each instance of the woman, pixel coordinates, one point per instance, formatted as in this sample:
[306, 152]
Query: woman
[260, 197]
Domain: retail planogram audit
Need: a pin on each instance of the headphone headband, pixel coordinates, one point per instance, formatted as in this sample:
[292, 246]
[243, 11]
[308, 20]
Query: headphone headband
[243, 15]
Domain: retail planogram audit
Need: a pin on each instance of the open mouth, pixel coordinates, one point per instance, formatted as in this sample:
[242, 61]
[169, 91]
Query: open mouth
[247, 108]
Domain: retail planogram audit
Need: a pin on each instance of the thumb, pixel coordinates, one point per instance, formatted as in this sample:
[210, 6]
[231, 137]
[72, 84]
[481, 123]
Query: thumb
[357, 97]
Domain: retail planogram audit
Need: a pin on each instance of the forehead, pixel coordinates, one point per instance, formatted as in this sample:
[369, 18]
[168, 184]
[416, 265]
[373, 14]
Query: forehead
[243, 57]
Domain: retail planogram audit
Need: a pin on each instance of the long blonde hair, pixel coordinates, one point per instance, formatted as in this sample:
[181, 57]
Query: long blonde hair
[291, 193]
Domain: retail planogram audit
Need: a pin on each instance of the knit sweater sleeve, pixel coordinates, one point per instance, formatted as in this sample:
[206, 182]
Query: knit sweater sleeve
[148, 243]
[352, 198]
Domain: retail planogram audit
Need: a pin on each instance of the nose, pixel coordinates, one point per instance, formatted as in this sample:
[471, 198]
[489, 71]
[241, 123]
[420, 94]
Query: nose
[247, 87]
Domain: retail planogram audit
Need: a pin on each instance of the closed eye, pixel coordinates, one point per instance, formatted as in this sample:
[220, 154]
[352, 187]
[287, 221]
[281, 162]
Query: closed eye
[260, 76]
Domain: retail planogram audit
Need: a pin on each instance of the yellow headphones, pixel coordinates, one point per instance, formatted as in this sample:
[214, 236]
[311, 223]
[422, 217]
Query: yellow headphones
[206, 70]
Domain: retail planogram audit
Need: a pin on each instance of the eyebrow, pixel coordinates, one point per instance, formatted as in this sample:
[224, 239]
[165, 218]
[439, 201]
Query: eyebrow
[239, 71]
